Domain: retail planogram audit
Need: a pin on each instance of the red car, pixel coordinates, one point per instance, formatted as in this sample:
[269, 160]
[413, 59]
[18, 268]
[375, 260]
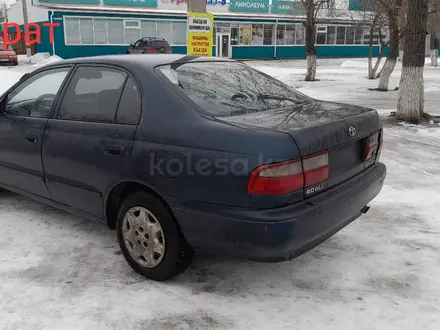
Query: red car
[7, 56]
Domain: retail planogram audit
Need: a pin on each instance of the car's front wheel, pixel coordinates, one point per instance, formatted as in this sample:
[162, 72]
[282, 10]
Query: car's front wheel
[150, 239]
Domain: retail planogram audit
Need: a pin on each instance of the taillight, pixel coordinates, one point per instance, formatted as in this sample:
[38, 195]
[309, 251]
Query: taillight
[371, 146]
[170, 51]
[289, 176]
[315, 168]
[379, 148]
[278, 178]
[151, 50]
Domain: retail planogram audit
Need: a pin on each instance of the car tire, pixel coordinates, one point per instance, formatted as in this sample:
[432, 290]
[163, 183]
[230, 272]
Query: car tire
[15, 63]
[150, 238]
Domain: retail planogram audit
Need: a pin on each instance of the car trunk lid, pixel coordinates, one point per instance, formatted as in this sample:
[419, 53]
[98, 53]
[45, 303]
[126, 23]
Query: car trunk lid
[332, 133]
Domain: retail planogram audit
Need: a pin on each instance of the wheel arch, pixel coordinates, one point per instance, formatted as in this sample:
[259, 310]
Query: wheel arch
[119, 192]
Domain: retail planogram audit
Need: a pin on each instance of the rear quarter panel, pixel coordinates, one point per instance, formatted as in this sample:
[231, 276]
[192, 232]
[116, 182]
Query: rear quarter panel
[184, 155]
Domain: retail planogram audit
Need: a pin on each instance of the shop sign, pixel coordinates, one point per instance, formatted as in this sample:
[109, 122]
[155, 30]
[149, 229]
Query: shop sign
[256, 6]
[200, 33]
[287, 7]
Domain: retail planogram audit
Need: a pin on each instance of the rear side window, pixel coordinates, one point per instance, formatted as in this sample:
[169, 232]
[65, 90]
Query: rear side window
[230, 88]
[160, 44]
[130, 105]
[93, 95]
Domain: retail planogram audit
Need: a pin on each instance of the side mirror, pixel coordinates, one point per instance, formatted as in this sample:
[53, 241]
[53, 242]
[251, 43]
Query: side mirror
[131, 45]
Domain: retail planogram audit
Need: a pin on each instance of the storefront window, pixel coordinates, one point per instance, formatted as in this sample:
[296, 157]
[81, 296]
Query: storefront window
[115, 31]
[290, 34]
[349, 36]
[148, 29]
[245, 35]
[112, 31]
[222, 28]
[300, 35]
[179, 33]
[358, 36]
[132, 31]
[72, 31]
[86, 27]
[281, 32]
[268, 34]
[257, 34]
[340, 35]
[234, 36]
[321, 33]
[331, 35]
[165, 30]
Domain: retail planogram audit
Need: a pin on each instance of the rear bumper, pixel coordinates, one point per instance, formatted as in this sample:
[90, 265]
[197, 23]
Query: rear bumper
[278, 234]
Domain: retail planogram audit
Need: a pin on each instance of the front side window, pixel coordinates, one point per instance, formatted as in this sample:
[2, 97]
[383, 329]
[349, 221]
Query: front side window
[36, 96]
[228, 89]
[93, 95]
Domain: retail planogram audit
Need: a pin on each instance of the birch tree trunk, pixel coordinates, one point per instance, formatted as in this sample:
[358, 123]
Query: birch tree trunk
[410, 103]
[310, 41]
[434, 50]
[390, 64]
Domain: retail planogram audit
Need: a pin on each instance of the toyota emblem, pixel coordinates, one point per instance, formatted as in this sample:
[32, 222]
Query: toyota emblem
[352, 131]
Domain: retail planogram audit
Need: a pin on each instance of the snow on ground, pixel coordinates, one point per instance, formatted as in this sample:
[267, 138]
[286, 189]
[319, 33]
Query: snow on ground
[381, 272]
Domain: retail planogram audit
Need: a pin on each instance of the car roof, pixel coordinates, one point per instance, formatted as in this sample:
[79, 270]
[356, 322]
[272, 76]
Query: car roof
[153, 38]
[135, 61]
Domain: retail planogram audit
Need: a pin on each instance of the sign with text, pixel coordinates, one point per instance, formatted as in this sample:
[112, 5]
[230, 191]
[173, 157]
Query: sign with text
[200, 32]
[31, 36]
[132, 3]
[288, 7]
[256, 6]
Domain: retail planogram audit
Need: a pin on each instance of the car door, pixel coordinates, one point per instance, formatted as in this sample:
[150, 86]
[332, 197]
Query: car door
[26, 109]
[87, 144]
[137, 47]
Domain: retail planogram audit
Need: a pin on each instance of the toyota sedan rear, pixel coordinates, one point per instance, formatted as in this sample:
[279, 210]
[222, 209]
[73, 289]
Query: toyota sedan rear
[184, 153]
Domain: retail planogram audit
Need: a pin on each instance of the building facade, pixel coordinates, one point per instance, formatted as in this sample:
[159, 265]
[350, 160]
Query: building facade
[244, 29]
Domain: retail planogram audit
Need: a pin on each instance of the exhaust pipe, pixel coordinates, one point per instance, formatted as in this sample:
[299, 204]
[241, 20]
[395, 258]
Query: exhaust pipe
[365, 209]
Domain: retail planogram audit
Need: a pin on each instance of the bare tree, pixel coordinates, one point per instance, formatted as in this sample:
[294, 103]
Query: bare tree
[434, 29]
[392, 10]
[376, 23]
[410, 103]
[372, 16]
[312, 8]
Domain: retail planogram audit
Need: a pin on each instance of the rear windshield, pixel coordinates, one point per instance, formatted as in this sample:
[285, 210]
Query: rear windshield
[231, 88]
[159, 44]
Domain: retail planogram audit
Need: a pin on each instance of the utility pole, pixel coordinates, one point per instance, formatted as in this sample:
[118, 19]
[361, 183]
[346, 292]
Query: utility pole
[26, 29]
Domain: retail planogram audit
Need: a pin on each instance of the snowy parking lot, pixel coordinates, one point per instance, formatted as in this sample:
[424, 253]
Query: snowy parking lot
[58, 271]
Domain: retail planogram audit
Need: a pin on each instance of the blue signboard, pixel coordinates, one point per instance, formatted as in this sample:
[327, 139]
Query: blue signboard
[361, 5]
[216, 2]
[255, 6]
[287, 7]
[131, 3]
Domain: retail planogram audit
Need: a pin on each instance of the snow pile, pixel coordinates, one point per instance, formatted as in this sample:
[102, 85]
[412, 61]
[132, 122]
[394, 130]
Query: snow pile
[49, 60]
[37, 58]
